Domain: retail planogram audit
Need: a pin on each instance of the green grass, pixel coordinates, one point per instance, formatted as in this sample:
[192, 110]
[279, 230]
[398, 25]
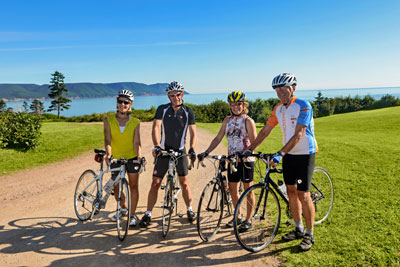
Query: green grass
[59, 140]
[361, 152]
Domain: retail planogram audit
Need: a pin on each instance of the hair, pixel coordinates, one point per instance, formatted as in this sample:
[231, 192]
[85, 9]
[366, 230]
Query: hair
[245, 108]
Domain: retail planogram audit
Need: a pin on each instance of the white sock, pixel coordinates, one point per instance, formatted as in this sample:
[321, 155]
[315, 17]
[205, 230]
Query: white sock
[148, 213]
[299, 225]
[189, 208]
[310, 231]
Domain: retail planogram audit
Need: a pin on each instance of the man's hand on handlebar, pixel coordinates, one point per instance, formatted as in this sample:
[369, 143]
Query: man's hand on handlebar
[192, 155]
[156, 151]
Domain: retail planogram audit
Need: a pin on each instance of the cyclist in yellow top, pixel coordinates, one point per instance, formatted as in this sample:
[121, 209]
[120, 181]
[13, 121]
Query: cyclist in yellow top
[122, 140]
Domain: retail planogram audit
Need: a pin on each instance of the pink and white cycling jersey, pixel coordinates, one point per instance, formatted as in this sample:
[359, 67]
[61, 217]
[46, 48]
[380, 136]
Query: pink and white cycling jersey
[297, 112]
[236, 133]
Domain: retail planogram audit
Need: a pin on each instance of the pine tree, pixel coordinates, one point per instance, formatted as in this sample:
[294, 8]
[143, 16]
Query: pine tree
[26, 107]
[3, 105]
[57, 91]
[37, 107]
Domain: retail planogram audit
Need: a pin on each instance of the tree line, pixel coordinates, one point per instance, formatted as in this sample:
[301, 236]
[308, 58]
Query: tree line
[21, 130]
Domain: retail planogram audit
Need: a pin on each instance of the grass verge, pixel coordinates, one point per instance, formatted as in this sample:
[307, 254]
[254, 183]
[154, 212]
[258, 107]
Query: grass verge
[59, 140]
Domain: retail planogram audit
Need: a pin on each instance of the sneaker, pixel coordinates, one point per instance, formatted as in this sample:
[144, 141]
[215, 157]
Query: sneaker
[292, 235]
[145, 221]
[114, 218]
[245, 227]
[133, 221]
[307, 242]
[238, 222]
[191, 216]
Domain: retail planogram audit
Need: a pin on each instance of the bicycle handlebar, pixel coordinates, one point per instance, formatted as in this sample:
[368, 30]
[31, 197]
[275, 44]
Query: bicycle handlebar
[232, 160]
[175, 155]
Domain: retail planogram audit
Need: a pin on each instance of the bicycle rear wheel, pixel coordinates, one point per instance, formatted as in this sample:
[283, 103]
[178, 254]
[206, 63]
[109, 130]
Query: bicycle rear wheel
[85, 194]
[265, 218]
[123, 214]
[322, 194]
[210, 211]
[167, 208]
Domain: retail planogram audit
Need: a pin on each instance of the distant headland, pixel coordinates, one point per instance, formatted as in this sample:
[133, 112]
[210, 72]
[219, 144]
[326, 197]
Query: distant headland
[79, 90]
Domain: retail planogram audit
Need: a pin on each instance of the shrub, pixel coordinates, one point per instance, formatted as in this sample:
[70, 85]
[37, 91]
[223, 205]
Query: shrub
[19, 130]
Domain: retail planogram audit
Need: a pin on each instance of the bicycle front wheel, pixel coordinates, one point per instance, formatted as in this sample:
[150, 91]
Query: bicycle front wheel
[322, 194]
[210, 211]
[263, 212]
[123, 213]
[167, 208]
[85, 194]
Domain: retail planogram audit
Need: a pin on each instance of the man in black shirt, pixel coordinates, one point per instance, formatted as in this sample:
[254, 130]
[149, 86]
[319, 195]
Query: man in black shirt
[171, 123]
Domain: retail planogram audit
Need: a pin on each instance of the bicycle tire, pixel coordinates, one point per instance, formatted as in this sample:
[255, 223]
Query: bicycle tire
[167, 208]
[264, 228]
[322, 194]
[85, 194]
[210, 211]
[123, 214]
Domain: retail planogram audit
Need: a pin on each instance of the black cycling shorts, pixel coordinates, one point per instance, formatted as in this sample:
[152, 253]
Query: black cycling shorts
[130, 167]
[245, 173]
[298, 170]
[161, 166]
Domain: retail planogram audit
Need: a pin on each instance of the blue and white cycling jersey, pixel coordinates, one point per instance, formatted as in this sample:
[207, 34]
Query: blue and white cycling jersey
[297, 112]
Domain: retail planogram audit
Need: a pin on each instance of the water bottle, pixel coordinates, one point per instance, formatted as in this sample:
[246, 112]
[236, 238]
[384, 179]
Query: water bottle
[282, 187]
[109, 185]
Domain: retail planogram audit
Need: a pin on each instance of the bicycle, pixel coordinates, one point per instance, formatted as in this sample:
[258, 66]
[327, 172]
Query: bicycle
[266, 213]
[214, 197]
[89, 198]
[170, 200]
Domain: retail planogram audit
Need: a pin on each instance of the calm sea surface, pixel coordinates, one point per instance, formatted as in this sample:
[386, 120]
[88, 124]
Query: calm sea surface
[88, 106]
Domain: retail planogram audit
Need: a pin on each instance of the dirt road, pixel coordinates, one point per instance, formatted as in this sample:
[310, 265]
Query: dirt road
[38, 226]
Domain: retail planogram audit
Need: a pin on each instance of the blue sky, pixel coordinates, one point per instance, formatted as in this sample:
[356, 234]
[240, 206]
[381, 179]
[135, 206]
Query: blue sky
[209, 46]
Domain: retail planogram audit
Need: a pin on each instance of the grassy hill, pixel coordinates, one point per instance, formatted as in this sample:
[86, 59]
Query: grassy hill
[362, 153]
[29, 91]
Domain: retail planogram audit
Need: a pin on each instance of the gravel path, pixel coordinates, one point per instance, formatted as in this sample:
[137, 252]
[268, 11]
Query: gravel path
[38, 226]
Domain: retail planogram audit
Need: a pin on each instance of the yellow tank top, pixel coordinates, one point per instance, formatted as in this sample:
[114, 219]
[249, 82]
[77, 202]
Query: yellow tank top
[122, 143]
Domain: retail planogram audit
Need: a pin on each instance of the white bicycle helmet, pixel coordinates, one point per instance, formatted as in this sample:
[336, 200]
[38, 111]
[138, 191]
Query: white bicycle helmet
[126, 93]
[174, 86]
[284, 79]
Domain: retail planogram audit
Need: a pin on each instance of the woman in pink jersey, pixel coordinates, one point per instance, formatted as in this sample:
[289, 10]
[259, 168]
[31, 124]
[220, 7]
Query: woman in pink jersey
[240, 131]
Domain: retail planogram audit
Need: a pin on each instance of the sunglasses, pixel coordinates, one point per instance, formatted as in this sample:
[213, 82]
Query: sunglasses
[123, 102]
[174, 95]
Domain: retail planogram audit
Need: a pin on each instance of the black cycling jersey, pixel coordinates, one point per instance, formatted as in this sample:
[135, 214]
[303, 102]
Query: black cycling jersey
[174, 126]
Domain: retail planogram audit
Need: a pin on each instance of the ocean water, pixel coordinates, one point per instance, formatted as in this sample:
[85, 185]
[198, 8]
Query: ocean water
[88, 106]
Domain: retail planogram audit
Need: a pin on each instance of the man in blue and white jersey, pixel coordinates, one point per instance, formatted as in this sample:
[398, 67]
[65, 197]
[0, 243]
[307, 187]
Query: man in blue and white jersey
[295, 118]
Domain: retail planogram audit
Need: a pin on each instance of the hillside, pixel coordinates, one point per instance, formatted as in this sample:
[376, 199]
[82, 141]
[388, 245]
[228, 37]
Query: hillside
[30, 91]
